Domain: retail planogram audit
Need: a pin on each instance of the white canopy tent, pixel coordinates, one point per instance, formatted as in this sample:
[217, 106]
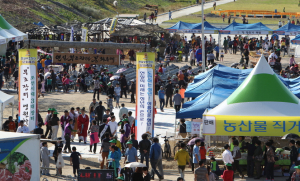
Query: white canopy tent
[5, 100]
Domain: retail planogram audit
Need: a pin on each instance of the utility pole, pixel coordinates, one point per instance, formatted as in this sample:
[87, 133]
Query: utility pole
[203, 42]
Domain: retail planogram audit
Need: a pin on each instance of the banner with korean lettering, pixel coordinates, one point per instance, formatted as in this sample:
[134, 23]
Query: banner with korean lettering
[250, 125]
[145, 93]
[28, 87]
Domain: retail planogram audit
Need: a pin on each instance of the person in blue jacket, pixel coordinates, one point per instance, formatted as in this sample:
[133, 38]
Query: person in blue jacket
[199, 55]
[161, 96]
[155, 151]
[115, 156]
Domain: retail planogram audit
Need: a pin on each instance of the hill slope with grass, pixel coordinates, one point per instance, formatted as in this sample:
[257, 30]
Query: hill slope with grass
[22, 13]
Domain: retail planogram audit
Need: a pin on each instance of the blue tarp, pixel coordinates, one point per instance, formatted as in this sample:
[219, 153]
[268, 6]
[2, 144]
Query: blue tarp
[296, 40]
[39, 24]
[287, 29]
[192, 27]
[210, 99]
[256, 28]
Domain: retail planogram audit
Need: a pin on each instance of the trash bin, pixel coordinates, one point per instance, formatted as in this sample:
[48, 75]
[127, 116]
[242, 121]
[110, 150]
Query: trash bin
[275, 11]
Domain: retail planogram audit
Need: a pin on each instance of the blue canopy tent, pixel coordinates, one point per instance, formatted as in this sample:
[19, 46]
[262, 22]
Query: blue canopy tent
[296, 40]
[288, 29]
[183, 27]
[246, 29]
[209, 99]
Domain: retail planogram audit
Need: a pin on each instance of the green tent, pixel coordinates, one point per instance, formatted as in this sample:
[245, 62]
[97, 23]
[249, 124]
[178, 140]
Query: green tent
[18, 35]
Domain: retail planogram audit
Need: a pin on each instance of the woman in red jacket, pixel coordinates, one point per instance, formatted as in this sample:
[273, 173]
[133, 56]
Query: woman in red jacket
[83, 124]
[228, 173]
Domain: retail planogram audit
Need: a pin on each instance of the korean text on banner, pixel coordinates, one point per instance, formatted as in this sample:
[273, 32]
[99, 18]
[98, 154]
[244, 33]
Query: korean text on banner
[250, 125]
[145, 93]
[84, 33]
[113, 25]
[27, 87]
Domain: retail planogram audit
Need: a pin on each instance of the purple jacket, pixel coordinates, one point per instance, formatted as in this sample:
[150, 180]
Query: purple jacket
[127, 130]
[68, 129]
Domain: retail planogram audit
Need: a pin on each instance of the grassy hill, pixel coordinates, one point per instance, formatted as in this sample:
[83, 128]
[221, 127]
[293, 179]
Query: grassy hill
[269, 5]
[22, 13]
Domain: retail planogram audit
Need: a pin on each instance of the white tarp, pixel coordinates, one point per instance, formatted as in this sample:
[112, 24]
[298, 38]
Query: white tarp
[5, 100]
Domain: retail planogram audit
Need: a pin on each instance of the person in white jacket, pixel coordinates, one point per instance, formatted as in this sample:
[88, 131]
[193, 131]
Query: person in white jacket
[60, 161]
[227, 156]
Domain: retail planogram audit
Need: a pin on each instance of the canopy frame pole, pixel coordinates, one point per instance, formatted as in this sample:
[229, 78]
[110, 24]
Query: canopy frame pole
[1, 112]
[203, 43]
[219, 42]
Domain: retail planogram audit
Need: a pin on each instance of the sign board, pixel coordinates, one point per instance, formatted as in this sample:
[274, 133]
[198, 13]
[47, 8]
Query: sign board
[113, 25]
[145, 93]
[196, 127]
[95, 175]
[28, 87]
[86, 58]
[188, 126]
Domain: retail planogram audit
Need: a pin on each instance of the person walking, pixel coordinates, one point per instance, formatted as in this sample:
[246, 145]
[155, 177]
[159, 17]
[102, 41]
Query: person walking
[270, 161]
[169, 93]
[74, 160]
[83, 124]
[123, 83]
[217, 49]
[113, 125]
[144, 146]
[201, 173]
[227, 156]
[182, 157]
[94, 139]
[47, 123]
[103, 129]
[170, 15]
[225, 44]
[155, 151]
[161, 96]
[105, 144]
[123, 111]
[177, 101]
[45, 159]
[130, 153]
[93, 104]
[117, 94]
[54, 122]
[67, 134]
[132, 90]
[64, 120]
[115, 157]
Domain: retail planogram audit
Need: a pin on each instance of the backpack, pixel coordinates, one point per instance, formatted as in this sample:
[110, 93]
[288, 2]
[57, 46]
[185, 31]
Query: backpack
[237, 154]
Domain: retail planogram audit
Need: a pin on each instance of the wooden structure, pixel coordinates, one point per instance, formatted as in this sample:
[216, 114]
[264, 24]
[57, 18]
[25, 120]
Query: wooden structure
[256, 12]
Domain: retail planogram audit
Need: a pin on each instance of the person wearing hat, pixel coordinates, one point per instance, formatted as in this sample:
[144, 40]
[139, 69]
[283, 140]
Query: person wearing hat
[132, 90]
[115, 157]
[110, 89]
[83, 124]
[228, 173]
[130, 153]
[161, 96]
[120, 178]
[296, 174]
[54, 122]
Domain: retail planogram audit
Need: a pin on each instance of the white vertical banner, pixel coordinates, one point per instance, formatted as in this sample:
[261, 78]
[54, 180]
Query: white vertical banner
[71, 39]
[145, 94]
[84, 37]
[28, 87]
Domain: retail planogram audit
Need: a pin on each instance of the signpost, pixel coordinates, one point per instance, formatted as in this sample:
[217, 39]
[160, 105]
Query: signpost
[28, 87]
[145, 93]
[95, 175]
[86, 58]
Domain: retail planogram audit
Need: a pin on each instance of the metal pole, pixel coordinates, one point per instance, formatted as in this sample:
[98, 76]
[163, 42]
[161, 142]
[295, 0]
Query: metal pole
[203, 43]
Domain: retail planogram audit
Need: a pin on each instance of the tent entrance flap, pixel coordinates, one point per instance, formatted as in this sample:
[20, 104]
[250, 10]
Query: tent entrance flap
[220, 125]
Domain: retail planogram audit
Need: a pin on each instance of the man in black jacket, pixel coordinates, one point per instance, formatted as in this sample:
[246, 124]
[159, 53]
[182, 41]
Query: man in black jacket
[123, 83]
[99, 111]
[103, 129]
[145, 145]
[169, 93]
[132, 90]
[293, 155]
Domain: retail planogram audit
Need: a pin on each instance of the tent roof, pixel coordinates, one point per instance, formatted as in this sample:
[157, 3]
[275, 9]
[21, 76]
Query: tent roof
[261, 94]
[247, 27]
[6, 99]
[289, 27]
[191, 26]
[6, 26]
[296, 40]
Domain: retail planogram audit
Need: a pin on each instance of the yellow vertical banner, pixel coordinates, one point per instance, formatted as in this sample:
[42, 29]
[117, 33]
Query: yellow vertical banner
[113, 25]
[28, 87]
[145, 93]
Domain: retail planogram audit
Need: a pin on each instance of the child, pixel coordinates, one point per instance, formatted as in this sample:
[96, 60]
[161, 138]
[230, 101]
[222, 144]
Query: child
[74, 160]
[222, 56]
[45, 158]
[60, 161]
[117, 94]
[94, 136]
[211, 175]
[296, 174]
[49, 84]
[228, 173]
[214, 167]
[146, 174]
[110, 102]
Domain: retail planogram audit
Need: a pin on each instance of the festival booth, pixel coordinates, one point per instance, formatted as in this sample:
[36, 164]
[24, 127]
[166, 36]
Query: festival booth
[9, 28]
[260, 106]
[246, 29]
[296, 41]
[19, 156]
[288, 29]
[5, 100]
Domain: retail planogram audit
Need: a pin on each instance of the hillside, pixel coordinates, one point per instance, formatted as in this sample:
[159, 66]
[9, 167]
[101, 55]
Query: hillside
[22, 13]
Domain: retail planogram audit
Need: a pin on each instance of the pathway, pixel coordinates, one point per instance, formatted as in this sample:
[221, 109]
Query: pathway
[188, 10]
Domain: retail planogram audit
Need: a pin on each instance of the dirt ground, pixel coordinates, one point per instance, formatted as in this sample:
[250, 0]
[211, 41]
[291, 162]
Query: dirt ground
[64, 101]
